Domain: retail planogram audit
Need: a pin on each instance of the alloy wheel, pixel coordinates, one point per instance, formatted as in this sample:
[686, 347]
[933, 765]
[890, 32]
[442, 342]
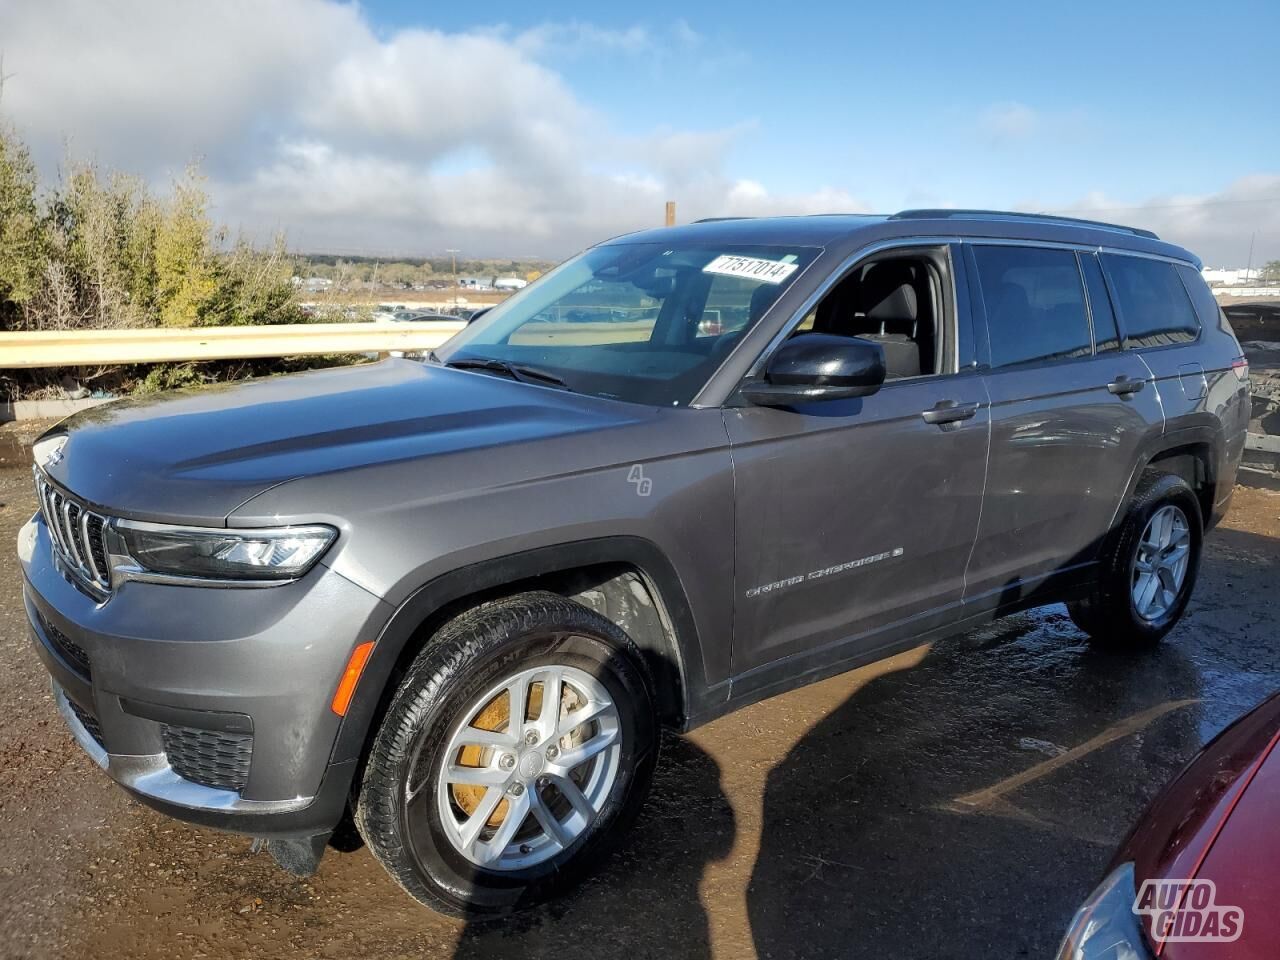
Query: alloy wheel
[527, 769]
[1160, 565]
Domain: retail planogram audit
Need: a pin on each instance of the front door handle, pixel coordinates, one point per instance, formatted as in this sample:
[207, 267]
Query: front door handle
[1123, 386]
[948, 411]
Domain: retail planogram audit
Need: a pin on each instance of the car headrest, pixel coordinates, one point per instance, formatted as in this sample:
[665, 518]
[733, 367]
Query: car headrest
[889, 292]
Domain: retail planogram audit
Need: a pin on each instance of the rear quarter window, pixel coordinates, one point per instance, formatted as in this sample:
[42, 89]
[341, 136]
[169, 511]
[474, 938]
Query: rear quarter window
[1154, 307]
[1207, 308]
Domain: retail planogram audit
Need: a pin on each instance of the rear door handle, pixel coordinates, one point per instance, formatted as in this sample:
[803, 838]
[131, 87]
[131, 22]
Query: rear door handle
[948, 411]
[1123, 386]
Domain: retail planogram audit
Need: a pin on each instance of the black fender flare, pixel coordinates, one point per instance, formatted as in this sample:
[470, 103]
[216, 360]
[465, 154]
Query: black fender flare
[493, 574]
[1199, 434]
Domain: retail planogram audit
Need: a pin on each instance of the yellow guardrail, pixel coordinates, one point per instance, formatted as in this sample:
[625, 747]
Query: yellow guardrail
[80, 348]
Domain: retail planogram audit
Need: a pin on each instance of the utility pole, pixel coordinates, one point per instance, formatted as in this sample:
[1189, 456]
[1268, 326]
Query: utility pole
[454, 254]
[1249, 267]
[671, 213]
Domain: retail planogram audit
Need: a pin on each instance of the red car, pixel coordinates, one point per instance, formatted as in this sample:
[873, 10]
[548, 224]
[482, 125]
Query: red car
[1199, 876]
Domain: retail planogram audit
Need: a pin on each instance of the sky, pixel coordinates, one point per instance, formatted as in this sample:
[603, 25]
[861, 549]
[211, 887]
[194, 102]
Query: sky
[397, 127]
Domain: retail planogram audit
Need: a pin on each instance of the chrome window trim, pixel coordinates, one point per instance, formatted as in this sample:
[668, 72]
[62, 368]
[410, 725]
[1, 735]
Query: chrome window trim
[1126, 346]
[849, 262]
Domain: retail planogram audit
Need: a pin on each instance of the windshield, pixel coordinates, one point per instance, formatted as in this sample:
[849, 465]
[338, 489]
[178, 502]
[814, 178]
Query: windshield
[641, 322]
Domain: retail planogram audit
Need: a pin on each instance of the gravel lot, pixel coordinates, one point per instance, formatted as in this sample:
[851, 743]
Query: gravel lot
[956, 801]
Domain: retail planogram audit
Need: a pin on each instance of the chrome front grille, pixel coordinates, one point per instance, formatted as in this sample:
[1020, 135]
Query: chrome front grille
[78, 534]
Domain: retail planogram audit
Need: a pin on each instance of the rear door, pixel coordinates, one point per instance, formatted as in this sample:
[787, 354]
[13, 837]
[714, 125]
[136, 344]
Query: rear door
[855, 515]
[1069, 411]
[1160, 324]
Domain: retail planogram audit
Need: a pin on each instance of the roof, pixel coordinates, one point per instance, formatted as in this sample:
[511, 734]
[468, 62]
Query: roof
[816, 231]
[849, 230]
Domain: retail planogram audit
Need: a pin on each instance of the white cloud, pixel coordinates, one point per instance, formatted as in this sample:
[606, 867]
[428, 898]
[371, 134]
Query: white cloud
[308, 120]
[1218, 227]
[352, 139]
[1009, 121]
[577, 38]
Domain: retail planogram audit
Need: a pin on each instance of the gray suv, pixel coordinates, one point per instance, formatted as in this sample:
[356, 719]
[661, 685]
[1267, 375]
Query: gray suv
[451, 603]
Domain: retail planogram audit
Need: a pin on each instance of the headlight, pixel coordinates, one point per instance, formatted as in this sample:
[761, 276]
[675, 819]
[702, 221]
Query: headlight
[161, 552]
[1105, 927]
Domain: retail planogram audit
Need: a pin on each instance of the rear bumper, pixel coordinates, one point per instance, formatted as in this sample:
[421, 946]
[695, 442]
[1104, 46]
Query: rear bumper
[244, 675]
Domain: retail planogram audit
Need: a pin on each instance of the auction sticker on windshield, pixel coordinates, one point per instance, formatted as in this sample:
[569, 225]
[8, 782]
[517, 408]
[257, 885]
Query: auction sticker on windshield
[766, 271]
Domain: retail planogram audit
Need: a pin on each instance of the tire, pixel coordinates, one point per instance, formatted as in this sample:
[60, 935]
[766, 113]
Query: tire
[417, 820]
[1110, 613]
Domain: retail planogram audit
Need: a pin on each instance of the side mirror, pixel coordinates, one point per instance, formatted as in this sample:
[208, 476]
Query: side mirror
[818, 366]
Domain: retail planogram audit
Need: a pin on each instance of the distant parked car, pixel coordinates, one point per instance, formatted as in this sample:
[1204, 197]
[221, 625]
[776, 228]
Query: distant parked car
[408, 316]
[1212, 835]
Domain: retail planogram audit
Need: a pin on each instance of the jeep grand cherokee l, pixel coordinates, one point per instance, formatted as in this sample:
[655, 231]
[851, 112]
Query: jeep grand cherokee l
[454, 601]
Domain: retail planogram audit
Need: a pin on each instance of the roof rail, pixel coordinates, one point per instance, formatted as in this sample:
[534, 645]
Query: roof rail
[947, 214]
[721, 219]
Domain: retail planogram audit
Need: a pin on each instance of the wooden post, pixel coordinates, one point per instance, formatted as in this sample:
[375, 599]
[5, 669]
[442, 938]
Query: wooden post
[671, 213]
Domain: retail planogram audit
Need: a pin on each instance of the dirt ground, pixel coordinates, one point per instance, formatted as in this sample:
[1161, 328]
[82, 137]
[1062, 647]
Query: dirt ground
[956, 801]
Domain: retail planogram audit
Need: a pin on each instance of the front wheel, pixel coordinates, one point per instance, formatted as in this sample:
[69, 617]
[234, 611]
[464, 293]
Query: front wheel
[521, 741]
[1149, 569]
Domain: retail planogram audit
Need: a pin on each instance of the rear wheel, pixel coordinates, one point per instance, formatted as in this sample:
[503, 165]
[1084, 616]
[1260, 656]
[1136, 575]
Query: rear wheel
[521, 741]
[1150, 567]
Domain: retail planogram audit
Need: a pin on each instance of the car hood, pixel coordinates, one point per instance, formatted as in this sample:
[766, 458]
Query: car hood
[194, 456]
[1242, 865]
[1216, 821]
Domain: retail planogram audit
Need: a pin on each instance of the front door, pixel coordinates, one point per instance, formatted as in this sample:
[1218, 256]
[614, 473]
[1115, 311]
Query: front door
[857, 515]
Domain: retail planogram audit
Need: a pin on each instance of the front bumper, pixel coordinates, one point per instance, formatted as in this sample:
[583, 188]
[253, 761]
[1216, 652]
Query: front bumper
[220, 665]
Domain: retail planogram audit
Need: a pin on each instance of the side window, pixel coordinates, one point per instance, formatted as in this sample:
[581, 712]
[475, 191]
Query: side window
[1154, 307]
[1206, 306]
[1035, 304]
[894, 300]
[1105, 335]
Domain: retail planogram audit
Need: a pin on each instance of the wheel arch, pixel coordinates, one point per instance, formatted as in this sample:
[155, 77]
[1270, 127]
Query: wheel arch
[1194, 454]
[626, 579]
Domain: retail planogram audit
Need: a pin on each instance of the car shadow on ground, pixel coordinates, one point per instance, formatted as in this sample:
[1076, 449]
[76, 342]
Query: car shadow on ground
[646, 901]
[960, 806]
[967, 805]
[942, 810]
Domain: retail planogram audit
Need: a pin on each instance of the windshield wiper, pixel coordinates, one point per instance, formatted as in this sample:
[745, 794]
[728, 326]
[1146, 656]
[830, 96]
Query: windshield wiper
[516, 371]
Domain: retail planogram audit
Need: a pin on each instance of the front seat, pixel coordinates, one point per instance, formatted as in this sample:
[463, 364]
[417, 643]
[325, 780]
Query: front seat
[891, 309]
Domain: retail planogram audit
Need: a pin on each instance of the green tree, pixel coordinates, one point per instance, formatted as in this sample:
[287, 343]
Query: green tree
[21, 229]
[251, 287]
[1271, 270]
[183, 259]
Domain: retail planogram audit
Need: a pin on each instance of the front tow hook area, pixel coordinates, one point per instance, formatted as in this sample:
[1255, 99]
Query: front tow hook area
[299, 856]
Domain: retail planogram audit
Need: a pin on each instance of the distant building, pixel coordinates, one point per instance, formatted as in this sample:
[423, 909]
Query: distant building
[313, 284]
[1225, 277]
